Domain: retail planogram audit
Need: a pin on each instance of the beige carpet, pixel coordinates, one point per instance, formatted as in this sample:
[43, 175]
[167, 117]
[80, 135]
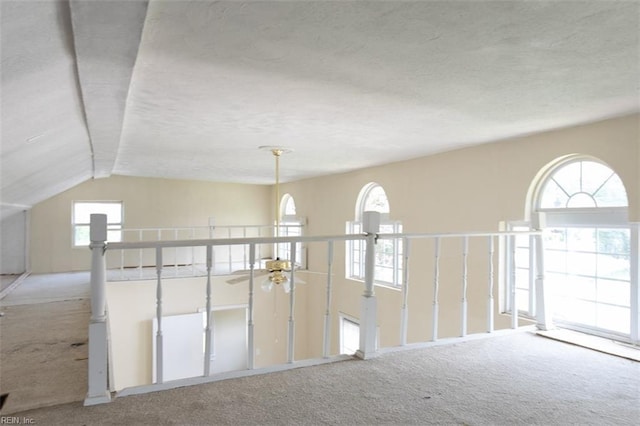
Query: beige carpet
[516, 379]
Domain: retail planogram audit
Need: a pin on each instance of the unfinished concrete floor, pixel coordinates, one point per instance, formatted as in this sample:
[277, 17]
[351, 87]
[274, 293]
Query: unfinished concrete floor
[43, 341]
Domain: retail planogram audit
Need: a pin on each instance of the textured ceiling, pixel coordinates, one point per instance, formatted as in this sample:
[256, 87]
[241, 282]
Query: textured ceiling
[182, 89]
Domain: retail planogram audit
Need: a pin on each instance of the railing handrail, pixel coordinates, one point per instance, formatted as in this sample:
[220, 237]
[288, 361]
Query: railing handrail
[299, 239]
[457, 234]
[228, 241]
[172, 228]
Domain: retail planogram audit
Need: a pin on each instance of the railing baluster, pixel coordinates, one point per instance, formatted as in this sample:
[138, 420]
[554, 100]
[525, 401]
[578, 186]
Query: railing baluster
[244, 248]
[465, 272]
[140, 255]
[436, 289]
[292, 290]
[490, 320]
[193, 253]
[250, 331]
[207, 331]
[512, 284]
[122, 264]
[175, 253]
[159, 348]
[230, 252]
[327, 314]
[404, 319]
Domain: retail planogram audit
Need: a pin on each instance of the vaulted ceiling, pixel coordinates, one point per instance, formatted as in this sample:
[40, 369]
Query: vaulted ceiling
[190, 90]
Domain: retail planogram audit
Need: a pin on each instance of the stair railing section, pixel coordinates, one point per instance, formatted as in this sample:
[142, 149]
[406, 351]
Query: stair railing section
[191, 261]
[98, 390]
[410, 240]
[98, 387]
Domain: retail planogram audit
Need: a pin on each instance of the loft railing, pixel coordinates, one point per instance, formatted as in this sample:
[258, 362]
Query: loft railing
[98, 386]
[127, 263]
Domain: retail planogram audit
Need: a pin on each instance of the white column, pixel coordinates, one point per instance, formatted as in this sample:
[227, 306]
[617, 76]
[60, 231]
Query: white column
[98, 391]
[513, 300]
[635, 283]
[404, 319]
[543, 307]
[326, 346]
[207, 331]
[490, 303]
[368, 306]
[436, 290]
[159, 342]
[465, 273]
[250, 331]
[292, 299]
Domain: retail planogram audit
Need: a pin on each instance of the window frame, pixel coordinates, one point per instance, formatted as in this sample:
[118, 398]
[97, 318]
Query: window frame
[355, 250]
[573, 218]
[290, 226]
[112, 227]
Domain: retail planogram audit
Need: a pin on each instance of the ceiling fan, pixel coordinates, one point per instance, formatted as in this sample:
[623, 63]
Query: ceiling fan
[278, 270]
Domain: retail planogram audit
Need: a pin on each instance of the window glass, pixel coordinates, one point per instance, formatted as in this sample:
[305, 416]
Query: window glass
[290, 226]
[82, 211]
[376, 200]
[583, 184]
[388, 258]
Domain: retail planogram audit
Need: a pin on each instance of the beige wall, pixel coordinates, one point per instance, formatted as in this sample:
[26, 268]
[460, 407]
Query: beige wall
[132, 308]
[148, 203]
[470, 189]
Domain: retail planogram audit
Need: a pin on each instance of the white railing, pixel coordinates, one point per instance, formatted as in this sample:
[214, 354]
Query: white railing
[127, 263]
[98, 389]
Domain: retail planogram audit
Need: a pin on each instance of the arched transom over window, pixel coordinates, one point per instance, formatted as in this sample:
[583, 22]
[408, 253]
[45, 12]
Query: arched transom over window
[388, 266]
[374, 199]
[583, 184]
[589, 252]
[290, 226]
[287, 207]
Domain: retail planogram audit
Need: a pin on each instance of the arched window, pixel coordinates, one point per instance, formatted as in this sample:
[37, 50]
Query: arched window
[388, 267]
[588, 251]
[290, 226]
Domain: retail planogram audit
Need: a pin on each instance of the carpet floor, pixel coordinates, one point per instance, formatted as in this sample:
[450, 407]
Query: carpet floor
[516, 379]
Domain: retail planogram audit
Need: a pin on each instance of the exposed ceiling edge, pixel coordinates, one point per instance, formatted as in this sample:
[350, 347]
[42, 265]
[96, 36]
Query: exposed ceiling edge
[106, 40]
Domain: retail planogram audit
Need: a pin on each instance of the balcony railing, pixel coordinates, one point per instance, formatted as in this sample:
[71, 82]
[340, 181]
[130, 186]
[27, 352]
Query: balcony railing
[98, 391]
[181, 261]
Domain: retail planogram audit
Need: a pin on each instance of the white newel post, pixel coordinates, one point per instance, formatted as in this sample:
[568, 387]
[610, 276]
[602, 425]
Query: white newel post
[368, 307]
[543, 308]
[98, 391]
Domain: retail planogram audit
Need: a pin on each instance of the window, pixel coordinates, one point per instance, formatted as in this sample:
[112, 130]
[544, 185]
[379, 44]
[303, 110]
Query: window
[349, 335]
[388, 259]
[290, 226]
[82, 211]
[588, 252]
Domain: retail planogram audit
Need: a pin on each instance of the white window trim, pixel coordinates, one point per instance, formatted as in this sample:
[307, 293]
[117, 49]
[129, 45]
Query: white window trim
[593, 217]
[111, 226]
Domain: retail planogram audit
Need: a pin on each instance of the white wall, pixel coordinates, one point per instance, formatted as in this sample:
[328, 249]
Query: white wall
[13, 240]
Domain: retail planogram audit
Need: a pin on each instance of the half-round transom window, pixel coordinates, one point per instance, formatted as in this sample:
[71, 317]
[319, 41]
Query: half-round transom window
[374, 199]
[583, 184]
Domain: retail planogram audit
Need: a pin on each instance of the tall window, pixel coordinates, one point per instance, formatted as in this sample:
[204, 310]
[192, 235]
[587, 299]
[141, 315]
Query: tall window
[290, 226]
[388, 266]
[588, 252]
[82, 211]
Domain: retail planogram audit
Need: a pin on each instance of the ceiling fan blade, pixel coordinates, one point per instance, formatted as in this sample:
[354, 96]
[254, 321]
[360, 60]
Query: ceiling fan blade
[245, 277]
